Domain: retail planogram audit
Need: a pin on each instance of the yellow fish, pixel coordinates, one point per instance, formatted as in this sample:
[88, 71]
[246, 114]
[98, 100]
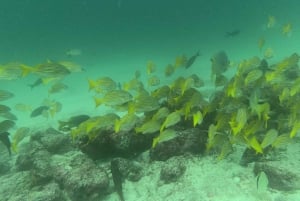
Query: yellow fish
[151, 126]
[114, 98]
[4, 95]
[150, 68]
[169, 70]
[101, 85]
[57, 87]
[261, 42]
[172, 119]
[197, 118]
[286, 29]
[271, 21]
[153, 81]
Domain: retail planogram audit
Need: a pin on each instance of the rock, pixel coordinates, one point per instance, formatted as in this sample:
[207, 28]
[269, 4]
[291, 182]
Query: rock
[23, 162]
[15, 186]
[172, 170]
[188, 141]
[49, 192]
[41, 171]
[4, 167]
[25, 159]
[281, 176]
[54, 141]
[6, 162]
[79, 176]
[108, 144]
[52, 170]
[129, 169]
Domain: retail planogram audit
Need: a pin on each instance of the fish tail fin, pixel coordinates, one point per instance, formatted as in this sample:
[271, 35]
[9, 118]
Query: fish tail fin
[131, 108]
[117, 125]
[26, 70]
[92, 84]
[14, 147]
[98, 101]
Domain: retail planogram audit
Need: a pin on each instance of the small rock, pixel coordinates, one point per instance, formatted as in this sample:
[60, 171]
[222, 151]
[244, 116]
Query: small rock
[280, 176]
[49, 192]
[80, 177]
[54, 141]
[188, 141]
[172, 170]
[130, 170]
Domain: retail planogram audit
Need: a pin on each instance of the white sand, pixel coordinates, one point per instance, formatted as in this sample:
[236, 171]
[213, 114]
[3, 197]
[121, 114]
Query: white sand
[207, 179]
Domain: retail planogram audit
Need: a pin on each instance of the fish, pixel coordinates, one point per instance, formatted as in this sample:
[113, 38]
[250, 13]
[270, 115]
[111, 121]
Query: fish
[186, 84]
[10, 71]
[5, 95]
[126, 123]
[150, 67]
[21, 107]
[57, 87]
[102, 84]
[153, 81]
[232, 33]
[8, 115]
[113, 98]
[36, 83]
[281, 141]
[99, 123]
[166, 135]
[295, 128]
[219, 63]
[253, 143]
[197, 118]
[72, 122]
[172, 119]
[4, 138]
[18, 136]
[271, 21]
[253, 77]
[73, 52]
[54, 107]
[169, 70]
[269, 53]
[161, 92]
[191, 60]
[221, 80]
[148, 127]
[143, 102]
[180, 61]
[286, 29]
[71, 66]
[117, 177]
[212, 132]
[264, 66]
[161, 114]
[261, 42]
[269, 138]
[5, 125]
[133, 85]
[262, 182]
[47, 71]
[4, 108]
[197, 80]
[39, 111]
[238, 121]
